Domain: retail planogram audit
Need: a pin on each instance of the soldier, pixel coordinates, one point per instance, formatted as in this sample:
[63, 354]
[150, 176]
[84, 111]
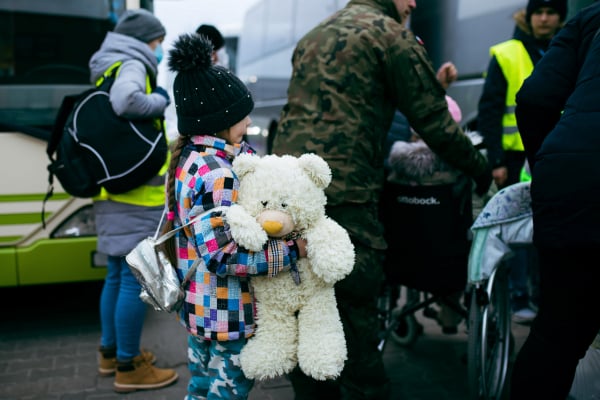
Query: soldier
[350, 74]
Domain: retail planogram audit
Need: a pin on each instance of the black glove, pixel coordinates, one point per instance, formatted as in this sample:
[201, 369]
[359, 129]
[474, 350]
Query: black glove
[163, 93]
[483, 182]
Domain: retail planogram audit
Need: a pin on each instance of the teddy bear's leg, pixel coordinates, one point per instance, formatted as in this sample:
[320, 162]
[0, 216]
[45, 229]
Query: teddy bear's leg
[321, 341]
[271, 351]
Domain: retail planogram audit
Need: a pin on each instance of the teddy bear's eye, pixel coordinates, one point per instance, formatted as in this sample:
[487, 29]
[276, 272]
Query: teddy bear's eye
[264, 203]
[283, 205]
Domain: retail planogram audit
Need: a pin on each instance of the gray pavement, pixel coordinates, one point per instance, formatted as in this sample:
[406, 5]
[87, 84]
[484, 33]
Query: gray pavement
[49, 337]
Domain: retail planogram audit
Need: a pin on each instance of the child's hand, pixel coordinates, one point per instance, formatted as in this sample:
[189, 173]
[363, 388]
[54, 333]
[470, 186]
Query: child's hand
[301, 243]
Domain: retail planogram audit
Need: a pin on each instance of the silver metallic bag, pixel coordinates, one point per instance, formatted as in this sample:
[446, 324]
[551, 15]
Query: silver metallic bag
[161, 287]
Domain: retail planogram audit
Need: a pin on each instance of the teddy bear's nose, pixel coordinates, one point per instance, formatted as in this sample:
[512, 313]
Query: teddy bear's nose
[272, 227]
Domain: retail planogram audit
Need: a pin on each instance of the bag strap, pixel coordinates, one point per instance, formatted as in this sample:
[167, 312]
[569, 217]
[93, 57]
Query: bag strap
[170, 234]
[162, 218]
[190, 272]
[109, 75]
[67, 105]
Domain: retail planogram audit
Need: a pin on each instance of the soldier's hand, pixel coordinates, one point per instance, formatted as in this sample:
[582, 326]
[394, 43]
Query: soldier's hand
[447, 74]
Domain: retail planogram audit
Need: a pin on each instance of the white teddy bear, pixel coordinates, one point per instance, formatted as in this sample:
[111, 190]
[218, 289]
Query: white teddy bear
[297, 323]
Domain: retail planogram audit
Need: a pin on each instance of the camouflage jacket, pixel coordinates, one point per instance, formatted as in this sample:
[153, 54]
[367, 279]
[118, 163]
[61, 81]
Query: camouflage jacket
[350, 73]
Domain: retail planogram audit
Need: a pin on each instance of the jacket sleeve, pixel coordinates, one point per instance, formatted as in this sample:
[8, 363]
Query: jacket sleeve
[540, 104]
[491, 111]
[128, 94]
[223, 256]
[212, 238]
[421, 99]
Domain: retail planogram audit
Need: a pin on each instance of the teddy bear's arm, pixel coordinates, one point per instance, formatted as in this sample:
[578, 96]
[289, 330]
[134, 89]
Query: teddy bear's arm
[329, 250]
[245, 230]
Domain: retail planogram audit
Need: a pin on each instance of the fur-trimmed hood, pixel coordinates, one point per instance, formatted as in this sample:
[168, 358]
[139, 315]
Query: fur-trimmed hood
[414, 163]
[519, 17]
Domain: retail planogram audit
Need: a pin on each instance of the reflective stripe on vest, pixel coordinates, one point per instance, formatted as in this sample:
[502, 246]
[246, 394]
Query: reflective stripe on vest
[516, 65]
[152, 193]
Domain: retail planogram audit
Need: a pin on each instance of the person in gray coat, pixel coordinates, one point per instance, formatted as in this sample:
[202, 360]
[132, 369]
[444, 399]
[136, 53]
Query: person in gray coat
[123, 220]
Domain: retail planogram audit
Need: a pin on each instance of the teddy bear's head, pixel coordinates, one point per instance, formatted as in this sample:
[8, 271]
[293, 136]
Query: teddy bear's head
[284, 193]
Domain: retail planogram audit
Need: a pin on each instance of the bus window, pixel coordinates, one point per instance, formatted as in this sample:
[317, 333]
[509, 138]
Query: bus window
[45, 47]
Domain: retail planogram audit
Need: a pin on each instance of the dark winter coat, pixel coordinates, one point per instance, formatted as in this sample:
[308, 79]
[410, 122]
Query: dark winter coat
[563, 148]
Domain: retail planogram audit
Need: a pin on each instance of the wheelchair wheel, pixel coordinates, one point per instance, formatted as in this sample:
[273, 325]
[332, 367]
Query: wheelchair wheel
[489, 337]
[386, 302]
[406, 330]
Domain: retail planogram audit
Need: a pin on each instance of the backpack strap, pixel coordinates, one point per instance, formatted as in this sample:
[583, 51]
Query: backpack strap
[64, 111]
[111, 72]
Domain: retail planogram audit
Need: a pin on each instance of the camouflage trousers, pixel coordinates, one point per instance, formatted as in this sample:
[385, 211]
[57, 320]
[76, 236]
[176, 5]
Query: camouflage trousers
[364, 376]
[215, 370]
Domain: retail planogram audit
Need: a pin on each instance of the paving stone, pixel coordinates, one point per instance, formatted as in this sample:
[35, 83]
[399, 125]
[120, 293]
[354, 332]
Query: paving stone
[57, 359]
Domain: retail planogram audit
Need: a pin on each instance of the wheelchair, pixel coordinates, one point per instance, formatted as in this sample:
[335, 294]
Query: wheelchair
[504, 224]
[427, 231]
[430, 260]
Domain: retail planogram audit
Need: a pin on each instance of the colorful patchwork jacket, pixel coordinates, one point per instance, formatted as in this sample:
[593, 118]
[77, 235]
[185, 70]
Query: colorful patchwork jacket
[219, 303]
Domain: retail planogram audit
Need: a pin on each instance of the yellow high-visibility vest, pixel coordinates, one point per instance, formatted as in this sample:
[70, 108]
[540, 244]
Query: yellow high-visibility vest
[516, 65]
[151, 193]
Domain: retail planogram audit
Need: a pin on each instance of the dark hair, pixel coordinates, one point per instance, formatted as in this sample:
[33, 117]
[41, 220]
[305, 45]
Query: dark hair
[169, 245]
[213, 34]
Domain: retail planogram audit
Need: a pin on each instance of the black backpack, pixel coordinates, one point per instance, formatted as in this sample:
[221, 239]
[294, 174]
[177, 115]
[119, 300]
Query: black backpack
[91, 147]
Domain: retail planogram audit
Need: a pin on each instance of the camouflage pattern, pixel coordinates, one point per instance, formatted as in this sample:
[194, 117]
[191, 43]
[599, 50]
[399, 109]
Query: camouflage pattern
[215, 369]
[350, 73]
[363, 376]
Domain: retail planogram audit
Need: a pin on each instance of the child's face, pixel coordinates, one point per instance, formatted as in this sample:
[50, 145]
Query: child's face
[236, 133]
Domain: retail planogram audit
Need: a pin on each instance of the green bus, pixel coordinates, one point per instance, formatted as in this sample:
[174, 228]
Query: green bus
[44, 51]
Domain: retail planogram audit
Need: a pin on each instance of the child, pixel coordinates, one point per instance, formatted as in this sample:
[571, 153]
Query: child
[213, 108]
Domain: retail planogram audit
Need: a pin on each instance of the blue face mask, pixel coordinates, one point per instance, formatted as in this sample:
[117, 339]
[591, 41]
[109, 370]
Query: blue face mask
[158, 52]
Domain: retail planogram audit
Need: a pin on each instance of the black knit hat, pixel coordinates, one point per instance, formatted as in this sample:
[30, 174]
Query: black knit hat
[559, 5]
[212, 34]
[208, 98]
[140, 24]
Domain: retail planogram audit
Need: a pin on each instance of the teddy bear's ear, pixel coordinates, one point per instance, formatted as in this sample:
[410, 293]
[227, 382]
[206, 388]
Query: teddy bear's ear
[245, 163]
[316, 168]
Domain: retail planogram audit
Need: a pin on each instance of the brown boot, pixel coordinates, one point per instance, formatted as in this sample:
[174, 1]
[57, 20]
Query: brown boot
[139, 374]
[107, 360]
